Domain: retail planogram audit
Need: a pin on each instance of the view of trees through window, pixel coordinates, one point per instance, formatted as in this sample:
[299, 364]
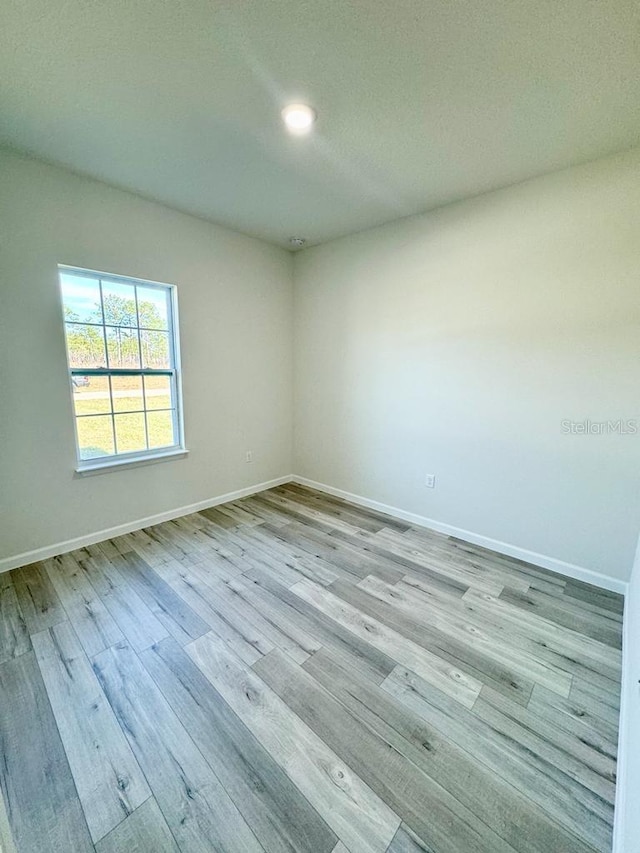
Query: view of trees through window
[86, 341]
[120, 350]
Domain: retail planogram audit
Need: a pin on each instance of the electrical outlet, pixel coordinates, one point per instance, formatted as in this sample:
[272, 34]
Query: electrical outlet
[248, 457]
[430, 481]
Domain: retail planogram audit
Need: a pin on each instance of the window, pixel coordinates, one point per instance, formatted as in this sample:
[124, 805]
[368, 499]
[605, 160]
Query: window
[122, 351]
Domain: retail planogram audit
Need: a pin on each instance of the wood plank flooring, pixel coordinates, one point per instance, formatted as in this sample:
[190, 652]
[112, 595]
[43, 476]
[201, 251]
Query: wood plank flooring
[289, 673]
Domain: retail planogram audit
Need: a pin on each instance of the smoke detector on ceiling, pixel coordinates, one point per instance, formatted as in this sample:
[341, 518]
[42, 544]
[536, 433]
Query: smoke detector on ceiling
[297, 242]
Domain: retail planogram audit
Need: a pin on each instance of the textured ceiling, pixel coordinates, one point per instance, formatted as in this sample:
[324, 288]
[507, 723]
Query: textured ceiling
[420, 102]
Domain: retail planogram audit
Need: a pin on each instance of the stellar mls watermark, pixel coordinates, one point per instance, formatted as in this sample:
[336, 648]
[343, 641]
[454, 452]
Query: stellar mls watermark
[616, 426]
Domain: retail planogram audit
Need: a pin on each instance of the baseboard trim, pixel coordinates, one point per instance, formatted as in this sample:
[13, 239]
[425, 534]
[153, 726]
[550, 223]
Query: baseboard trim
[567, 569]
[48, 551]
[542, 560]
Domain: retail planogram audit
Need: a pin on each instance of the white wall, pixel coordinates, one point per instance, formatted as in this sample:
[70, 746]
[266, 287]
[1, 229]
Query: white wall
[627, 823]
[456, 342]
[235, 307]
[451, 343]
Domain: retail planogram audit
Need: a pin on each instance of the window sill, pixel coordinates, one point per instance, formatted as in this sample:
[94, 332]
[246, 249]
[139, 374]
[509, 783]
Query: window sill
[105, 466]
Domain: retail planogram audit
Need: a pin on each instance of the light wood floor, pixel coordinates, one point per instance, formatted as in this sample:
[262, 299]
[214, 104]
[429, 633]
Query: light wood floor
[293, 673]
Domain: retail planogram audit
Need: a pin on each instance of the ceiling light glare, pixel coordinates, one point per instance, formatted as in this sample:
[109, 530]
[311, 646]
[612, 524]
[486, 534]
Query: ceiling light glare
[298, 118]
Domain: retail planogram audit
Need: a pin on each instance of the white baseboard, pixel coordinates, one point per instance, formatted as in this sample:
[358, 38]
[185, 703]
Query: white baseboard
[100, 535]
[545, 562]
[567, 569]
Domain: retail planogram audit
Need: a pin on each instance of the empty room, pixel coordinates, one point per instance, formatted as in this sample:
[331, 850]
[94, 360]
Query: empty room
[320, 426]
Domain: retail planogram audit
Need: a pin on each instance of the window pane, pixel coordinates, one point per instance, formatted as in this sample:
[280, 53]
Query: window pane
[130, 433]
[85, 345]
[160, 428]
[95, 437]
[119, 302]
[91, 394]
[157, 392]
[153, 307]
[122, 325]
[122, 346]
[155, 349]
[127, 393]
[81, 298]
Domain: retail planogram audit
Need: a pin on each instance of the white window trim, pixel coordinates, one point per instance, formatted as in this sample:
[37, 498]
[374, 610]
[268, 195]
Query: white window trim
[111, 463]
[102, 464]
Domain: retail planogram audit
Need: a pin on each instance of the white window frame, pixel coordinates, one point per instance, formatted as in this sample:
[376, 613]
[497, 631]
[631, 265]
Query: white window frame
[117, 460]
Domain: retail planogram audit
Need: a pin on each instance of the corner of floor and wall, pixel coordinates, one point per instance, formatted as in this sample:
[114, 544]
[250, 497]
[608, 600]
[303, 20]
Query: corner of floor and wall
[490, 347]
[494, 346]
[235, 304]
